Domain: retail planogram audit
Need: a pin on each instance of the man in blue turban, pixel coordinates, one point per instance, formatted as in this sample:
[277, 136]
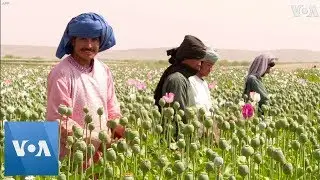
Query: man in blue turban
[82, 82]
[86, 25]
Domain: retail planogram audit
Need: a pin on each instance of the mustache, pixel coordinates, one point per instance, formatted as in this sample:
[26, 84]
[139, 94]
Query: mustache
[87, 49]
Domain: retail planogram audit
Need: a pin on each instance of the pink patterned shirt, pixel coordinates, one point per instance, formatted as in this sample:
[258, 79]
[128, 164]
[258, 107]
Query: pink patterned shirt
[78, 87]
[74, 87]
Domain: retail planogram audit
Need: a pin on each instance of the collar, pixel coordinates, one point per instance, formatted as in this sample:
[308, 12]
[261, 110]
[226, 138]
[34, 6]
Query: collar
[186, 70]
[84, 69]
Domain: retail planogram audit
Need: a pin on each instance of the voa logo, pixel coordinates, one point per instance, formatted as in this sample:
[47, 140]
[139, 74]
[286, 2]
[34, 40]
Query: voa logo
[31, 148]
[305, 10]
[41, 149]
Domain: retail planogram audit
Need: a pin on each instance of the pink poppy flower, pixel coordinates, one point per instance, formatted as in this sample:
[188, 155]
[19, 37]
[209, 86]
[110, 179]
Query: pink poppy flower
[212, 85]
[7, 81]
[247, 111]
[132, 82]
[140, 85]
[168, 97]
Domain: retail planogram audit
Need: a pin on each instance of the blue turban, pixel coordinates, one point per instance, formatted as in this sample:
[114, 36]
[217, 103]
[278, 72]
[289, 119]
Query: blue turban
[86, 25]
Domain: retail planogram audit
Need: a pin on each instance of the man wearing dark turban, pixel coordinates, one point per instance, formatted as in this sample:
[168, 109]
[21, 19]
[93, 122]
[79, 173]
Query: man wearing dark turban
[82, 82]
[185, 62]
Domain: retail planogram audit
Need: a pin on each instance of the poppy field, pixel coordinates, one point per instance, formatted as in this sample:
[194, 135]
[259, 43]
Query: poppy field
[232, 142]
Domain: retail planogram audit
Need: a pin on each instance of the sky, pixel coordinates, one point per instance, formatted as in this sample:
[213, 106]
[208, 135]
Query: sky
[221, 24]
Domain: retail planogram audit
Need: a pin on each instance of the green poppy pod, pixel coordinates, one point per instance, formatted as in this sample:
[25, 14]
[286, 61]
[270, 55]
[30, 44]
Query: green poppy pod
[178, 167]
[243, 170]
[203, 176]
[247, 151]
[145, 166]
[111, 155]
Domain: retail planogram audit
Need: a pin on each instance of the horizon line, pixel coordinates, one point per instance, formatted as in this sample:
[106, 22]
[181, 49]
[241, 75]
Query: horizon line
[141, 48]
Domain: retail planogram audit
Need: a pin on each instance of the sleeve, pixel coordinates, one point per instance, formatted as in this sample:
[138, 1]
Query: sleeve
[177, 86]
[113, 106]
[57, 93]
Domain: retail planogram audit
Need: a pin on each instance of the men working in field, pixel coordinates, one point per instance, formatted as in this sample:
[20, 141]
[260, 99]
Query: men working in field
[201, 90]
[80, 80]
[199, 85]
[260, 66]
[185, 62]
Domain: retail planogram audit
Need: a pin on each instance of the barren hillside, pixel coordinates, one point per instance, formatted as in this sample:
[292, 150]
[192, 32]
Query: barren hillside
[285, 55]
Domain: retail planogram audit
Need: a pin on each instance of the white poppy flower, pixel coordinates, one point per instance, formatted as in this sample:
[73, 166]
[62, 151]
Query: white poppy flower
[255, 96]
[241, 103]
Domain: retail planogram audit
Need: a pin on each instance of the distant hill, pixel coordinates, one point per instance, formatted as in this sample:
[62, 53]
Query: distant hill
[285, 55]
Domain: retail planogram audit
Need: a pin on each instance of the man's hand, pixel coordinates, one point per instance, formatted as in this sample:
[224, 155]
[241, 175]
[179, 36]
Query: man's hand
[95, 141]
[119, 132]
[66, 129]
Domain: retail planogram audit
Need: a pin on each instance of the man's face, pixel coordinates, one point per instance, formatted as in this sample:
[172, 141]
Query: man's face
[85, 48]
[205, 69]
[193, 63]
[268, 70]
[270, 66]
